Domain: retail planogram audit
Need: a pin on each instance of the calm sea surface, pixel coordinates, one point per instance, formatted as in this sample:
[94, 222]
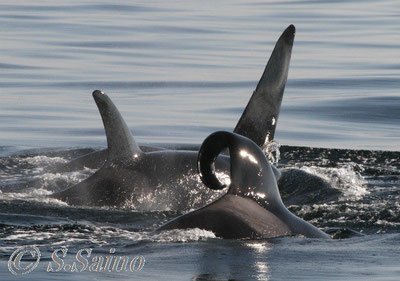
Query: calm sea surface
[178, 71]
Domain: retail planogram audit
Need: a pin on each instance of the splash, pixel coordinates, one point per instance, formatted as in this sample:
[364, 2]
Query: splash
[14, 169]
[44, 160]
[32, 195]
[351, 183]
[181, 196]
[50, 180]
[66, 234]
[182, 235]
[20, 170]
[271, 151]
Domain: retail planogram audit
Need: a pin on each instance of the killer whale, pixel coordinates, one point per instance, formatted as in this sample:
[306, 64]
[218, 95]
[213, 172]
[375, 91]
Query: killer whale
[252, 207]
[130, 170]
[259, 119]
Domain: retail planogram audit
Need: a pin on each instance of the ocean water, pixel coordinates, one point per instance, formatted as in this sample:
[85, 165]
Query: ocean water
[178, 71]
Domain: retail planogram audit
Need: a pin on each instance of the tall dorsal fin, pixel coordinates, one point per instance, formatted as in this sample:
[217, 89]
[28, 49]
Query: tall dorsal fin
[258, 121]
[121, 144]
[251, 173]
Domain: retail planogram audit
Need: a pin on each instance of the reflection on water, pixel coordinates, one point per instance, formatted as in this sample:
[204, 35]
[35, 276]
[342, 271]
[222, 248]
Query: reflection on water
[180, 71]
[261, 267]
[247, 260]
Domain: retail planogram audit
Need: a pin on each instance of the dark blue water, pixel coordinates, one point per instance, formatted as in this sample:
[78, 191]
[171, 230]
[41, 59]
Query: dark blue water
[179, 71]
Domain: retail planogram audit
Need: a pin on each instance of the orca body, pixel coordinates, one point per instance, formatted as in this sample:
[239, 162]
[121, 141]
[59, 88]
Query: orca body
[131, 171]
[252, 207]
[259, 119]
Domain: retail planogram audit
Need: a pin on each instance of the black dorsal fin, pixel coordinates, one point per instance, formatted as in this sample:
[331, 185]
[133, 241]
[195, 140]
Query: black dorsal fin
[258, 121]
[251, 173]
[121, 144]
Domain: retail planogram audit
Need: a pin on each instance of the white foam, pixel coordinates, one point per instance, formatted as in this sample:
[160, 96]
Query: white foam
[181, 235]
[23, 168]
[70, 177]
[351, 183]
[44, 160]
[33, 195]
[104, 235]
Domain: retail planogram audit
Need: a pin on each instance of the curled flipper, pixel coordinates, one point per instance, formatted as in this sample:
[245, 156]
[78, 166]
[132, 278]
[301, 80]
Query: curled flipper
[208, 153]
[250, 171]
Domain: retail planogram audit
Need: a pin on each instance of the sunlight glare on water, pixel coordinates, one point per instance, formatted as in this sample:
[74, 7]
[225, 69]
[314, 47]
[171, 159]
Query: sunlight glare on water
[178, 71]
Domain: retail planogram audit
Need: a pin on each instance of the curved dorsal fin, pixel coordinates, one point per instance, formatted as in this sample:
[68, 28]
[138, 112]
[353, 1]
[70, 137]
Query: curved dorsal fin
[251, 173]
[121, 144]
[258, 121]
